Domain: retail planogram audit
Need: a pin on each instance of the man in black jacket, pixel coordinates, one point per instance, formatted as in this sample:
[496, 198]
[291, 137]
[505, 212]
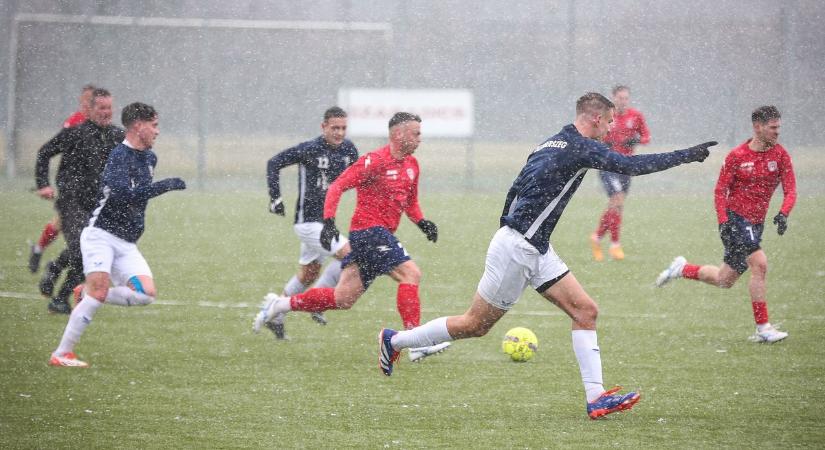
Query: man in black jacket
[84, 151]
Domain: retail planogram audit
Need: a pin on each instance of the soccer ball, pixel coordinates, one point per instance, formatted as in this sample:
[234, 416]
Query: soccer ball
[520, 343]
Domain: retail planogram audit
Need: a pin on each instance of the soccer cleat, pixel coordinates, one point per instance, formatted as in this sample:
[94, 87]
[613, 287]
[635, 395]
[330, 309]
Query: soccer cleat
[596, 246]
[50, 276]
[616, 252]
[386, 354]
[319, 318]
[77, 294]
[57, 306]
[768, 336]
[419, 353]
[260, 318]
[610, 402]
[67, 360]
[34, 259]
[276, 325]
[673, 271]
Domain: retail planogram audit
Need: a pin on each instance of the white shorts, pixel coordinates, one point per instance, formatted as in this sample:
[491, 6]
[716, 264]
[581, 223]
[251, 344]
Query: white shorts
[311, 251]
[511, 264]
[104, 252]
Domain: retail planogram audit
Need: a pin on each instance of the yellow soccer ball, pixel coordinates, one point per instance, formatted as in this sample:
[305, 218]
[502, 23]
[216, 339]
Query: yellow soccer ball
[520, 343]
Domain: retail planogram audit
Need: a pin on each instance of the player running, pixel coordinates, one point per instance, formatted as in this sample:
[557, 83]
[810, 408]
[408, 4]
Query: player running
[629, 129]
[320, 161]
[52, 229]
[109, 242]
[520, 252]
[749, 177]
[386, 181]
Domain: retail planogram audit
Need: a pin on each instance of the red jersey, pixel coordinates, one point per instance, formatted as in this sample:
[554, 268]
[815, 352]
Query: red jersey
[74, 120]
[627, 125]
[385, 188]
[748, 179]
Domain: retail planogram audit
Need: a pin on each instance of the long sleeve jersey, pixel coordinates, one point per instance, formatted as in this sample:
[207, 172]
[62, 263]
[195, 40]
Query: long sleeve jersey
[748, 179]
[74, 120]
[319, 164]
[554, 171]
[627, 125]
[385, 188]
[84, 149]
[126, 187]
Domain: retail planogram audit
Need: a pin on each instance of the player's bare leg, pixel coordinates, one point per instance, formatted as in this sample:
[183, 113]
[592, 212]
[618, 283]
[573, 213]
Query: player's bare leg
[571, 298]
[765, 332]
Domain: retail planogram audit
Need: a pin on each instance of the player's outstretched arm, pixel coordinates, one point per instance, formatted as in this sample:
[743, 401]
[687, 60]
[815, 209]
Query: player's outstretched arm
[648, 163]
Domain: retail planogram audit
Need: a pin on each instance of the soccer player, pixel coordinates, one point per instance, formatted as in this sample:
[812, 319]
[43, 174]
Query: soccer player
[320, 161]
[386, 181]
[629, 129]
[748, 179]
[84, 149]
[52, 228]
[109, 242]
[520, 252]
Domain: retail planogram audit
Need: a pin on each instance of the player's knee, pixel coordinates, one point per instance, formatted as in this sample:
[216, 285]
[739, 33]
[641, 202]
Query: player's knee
[412, 275]
[147, 289]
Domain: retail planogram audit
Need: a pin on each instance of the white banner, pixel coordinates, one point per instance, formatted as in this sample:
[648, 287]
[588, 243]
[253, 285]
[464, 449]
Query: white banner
[444, 112]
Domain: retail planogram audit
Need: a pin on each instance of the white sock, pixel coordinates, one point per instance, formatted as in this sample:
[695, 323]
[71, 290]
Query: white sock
[763, 327]
[431, 333]
[80, 318]
[124, 296]
[586, 348]
[330, 276]
[293, 287]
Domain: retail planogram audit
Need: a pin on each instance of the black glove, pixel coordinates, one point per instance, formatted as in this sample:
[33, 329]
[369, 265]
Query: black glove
[276, 206]
[171, 184]
[329, 233]
[781, 222]
[700, 152]
[632, 142]
[429, 228]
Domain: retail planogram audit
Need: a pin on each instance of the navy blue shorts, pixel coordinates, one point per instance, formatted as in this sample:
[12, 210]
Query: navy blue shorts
[614, 182]
[740, 238]
[376, 251]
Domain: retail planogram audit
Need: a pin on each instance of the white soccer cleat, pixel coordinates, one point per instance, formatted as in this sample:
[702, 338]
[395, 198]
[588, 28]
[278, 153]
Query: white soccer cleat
[261, 318]
[768, 336]
[673, 271]
[67, 360]
[419, 353]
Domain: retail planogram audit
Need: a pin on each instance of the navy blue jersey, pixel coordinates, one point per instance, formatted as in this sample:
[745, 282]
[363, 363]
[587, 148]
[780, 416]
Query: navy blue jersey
[555, 170]
[318, 166]
[125, 188]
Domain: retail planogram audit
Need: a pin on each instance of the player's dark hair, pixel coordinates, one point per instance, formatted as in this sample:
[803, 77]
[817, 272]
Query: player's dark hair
[88, 87]
[620, 87]
[401, 117]
[592, 102]
[335, 111]
[99, 92]
[137, 112]
[765, 114]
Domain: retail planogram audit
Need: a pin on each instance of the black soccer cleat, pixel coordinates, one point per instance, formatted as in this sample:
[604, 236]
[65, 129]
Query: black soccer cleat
[277, 329]
[59, 307]
[319, 318]
[50, 276]
[34, 260]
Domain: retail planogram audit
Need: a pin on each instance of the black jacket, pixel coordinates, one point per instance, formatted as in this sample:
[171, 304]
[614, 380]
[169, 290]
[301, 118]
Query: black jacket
[85, 150]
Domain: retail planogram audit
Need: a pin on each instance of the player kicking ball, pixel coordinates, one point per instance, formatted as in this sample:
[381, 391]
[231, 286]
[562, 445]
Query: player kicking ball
[520, 253]
[109, 242]
[749, 177]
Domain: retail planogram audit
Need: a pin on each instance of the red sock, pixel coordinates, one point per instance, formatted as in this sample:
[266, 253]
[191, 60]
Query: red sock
[314, 300]
[615, 226]
[409, 306]
[691, 271]
[760, 311]
[604, 224]
[48, 235]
